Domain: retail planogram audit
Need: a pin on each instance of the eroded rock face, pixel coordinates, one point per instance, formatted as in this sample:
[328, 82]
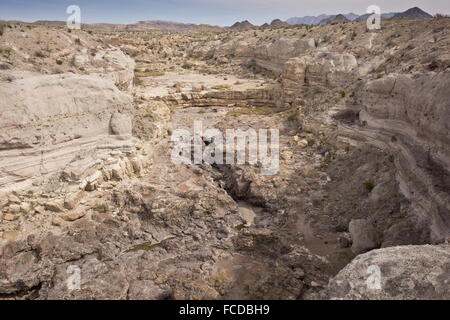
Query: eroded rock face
[318, 71]
[270, 55]
[364, 236]
[49, 121]
[408, 115]
[265, 97]
[410, 272]
[64, 51]
[163, 231]
[118, 67]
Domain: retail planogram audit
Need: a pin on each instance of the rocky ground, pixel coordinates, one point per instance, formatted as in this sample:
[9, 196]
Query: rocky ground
[88, 181]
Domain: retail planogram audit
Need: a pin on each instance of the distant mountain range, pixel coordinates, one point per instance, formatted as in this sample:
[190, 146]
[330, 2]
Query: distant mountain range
[242, 25]
[323, 18]
[159, 24]
[139, 26]
[340, 18]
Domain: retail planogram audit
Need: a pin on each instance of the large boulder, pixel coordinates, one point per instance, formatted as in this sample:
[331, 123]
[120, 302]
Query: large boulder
[321, 69]
[121, 124]
[410, 272]
[364, 236]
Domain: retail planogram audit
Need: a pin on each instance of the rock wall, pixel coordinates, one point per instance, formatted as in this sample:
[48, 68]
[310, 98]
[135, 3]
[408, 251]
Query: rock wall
[321, 70]
[408, 115]
[268, 55]
[109, 63]
[54, 124]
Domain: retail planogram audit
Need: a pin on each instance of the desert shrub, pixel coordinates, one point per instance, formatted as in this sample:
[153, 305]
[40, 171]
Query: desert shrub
[187, 65]
[342, 93]
[39, 54]
[149, 73]
[77, 41]
[221, 86]
[6, 52]
[59, 62]
[100, 208]
[369, 185]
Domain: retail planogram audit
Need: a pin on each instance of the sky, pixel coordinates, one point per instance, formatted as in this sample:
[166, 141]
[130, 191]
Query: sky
[215, 12]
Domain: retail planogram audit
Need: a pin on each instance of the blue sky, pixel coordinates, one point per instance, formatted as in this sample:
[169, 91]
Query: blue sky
[216, 12]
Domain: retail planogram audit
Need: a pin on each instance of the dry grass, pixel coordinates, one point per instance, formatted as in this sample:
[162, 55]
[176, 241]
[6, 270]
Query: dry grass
[150, 73]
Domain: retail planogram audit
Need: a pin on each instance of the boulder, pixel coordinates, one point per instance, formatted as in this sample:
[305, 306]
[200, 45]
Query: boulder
[364, 236]
[121, 124]
[409, 272]
[408, 115]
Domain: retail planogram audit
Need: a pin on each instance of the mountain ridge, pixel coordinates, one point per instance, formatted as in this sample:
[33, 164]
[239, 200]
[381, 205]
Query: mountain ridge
[414, 12]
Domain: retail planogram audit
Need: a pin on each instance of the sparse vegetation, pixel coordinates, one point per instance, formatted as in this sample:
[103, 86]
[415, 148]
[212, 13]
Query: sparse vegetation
[102, 207]
[221, 87]
[6, 52]
[369, 185]
[39, 54]
[149, 73]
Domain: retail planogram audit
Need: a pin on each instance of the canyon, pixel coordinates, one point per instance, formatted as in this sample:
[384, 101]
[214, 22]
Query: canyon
[87, 179]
